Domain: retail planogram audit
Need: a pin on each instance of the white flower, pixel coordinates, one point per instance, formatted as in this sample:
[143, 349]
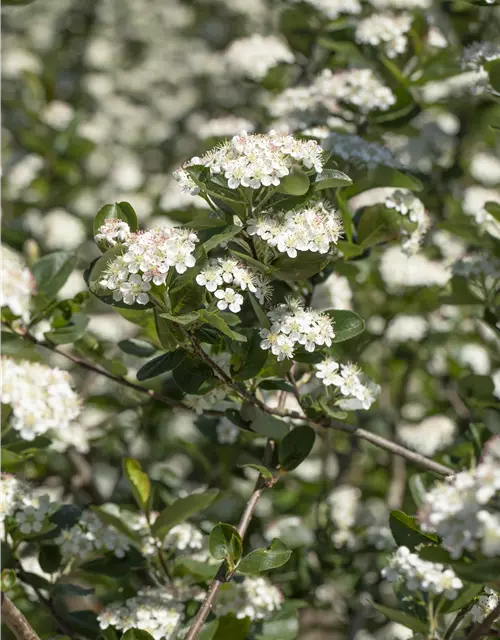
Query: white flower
[332, 9]
[399, 270]
[224, 127]
[61, 230]
[344, 504]
[406, 327]
[229, 298]
[134, 289]
[476, 357]
[184, 537]
[18, 285]
[484, 605]
[422, 575]
[327, 371]
[431, 435]
[113, 231]
[387, 29]
[408, 205]
[475, 199]
[57, 114]
[255, 598]
[255, 55]
[41, 398]
[334, 293]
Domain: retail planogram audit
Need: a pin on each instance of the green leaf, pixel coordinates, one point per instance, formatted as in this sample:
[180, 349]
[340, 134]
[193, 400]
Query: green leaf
[493, 69]
[216, 321]
[346, 213]
[231, 628]
[272, 385]
[208, 630]
[264, 423]
[50, 558]
[52, 271]
[255, 359]
[402, 618]
[349, 249]
[181, 510]
[139, 348]
[266, 473]
[295, 447]
[346, 324]
[417, 488]
[139, 482]
[119, 210]
[224, 236]
[305, 265]
[296, 183]
[168, 333]
[477, 387]
[161, 364]
[331, 178]
[200, 571]
[193, 373]
[136, 634]
[460, 293]
[493, 208]
[225, 544]
[259, 312]
[376, 225]
[184, 319]
[406, 532]
[115, 522]
[480, 572]
[466, 595]
[66, 589]
[276, 555]
[71, 332]
[244, 257]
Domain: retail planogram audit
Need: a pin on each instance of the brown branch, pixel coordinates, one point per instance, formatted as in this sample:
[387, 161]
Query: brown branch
[481, 630]
[16, 622]
[221, 576]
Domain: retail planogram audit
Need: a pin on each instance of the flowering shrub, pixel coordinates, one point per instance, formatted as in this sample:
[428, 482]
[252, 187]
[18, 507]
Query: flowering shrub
[250, 320]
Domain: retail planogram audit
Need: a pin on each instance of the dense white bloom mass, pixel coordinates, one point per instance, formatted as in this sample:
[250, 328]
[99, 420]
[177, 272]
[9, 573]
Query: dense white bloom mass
[30, 511]
[475, 199]
[354, 389]
[254, 597]
[359, 88]
[431, 435]
[41, 397]
[256, 55]
[333, 8]
[408, 205]
[292, 325]
[147, 258]
[18, 285]
[399, 270]
[421, 575]
[153, 609]
[224, 127]
[255, 160]
[458, 508]
[387, 29]
[314, 228]
[220, 272]
[406, 327]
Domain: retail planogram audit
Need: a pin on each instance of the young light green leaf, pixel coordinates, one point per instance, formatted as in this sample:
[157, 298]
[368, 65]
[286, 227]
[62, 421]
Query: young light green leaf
[139, 482]
[181, 510]
[276, 555]
[295, 447]
[225, 543]
[266, 473]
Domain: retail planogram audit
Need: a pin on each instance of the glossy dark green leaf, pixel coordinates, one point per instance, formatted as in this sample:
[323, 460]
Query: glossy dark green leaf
[263, 423]
[305, 265]
[52, 271]
[493, 208]
[406, 531]
[181, 510]
[219, 238]
[136, 634]
[193, 373]
[331, 178]
[118, 210]
[464, 598]
[276, 555]
[478, 572]
[295, 447]
[217, 322]
[169, 334]
[139, 348]
[184, 319]
[346, 324]
[402, 618]
[231, 628]
[161, 364]
[255, 358]
[493, 69]
[139, 482]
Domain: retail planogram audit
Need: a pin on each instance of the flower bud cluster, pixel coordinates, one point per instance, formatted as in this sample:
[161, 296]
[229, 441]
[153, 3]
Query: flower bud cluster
[292, 325]
[459, 509]
[387, 29]
[421, 575]
[153, 609]
[407, 205]
[356, 391]
[256, 55]
[91, 536]
[314, 228]
[18, 285]
[147, 258]
[255, 160]
[41, 398]
[255, 598]
[220, 272]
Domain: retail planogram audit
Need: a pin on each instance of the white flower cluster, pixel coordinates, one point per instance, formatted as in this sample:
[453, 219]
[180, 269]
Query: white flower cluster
[41, 397]
[333, 9]
[344, 503]
[30, 511]
[314, 228]
[405, 327]
[399, 270]
[18, 285]
[357, 87]
[13, 493]
[475, 199]
[113, 231]
[407, 204]
[255, 160]
[422, 575]
[477, 54]
[148, 257]
[387, 29]
[293, 325]
[484, 605]
[224, 127]
[153, 609]
[334, 293]
[183, 537]
[356, 392]
[220, 272]
[360, 152]
[256, 55]
[254, 598]
[431, 435]
[457, 509]
[91, 536]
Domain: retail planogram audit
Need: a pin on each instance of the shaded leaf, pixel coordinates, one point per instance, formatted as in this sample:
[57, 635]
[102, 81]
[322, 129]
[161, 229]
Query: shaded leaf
[161, 364]
[181, 510]
[276, 555]
[52, 271]
[402, 618]
[295, 447]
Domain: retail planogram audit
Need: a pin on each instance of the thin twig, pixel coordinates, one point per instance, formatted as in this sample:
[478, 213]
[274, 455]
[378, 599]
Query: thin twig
[457, 620]
[481, 630]
[221, 576]
[16, 622]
